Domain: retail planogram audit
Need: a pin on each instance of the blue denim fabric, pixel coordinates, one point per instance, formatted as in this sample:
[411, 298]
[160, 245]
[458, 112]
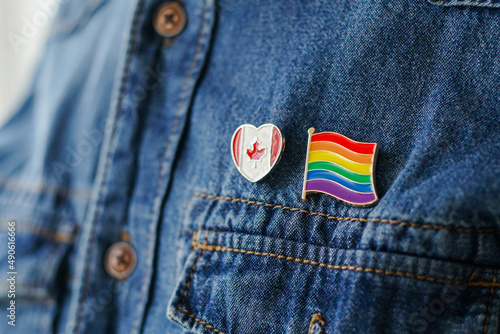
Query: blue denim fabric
[121, 132]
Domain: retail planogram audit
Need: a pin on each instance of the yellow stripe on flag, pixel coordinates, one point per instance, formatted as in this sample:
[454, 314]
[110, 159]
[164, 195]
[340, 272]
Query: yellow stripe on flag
[341, 161]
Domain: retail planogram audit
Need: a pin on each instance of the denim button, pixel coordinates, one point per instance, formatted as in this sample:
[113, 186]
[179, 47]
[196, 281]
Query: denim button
[170, 19]
[120, 260]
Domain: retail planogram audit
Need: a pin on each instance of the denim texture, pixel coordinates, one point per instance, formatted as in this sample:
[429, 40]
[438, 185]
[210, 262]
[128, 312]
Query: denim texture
[121, 132]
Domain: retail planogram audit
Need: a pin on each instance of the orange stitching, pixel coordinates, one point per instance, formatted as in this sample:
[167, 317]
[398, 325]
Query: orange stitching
[490, 301]
[44, 232]
[206, 324]
[216, 248]
[316, 318]
[188, 283]
[363, 220]
[472, 276]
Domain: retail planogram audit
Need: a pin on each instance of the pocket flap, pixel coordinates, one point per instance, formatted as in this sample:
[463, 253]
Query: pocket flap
[237, 283]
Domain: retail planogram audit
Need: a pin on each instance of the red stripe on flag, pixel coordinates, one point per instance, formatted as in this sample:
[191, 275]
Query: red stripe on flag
[362, 148]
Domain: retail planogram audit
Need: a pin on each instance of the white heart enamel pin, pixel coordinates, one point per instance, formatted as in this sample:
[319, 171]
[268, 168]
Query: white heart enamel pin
[256, 151]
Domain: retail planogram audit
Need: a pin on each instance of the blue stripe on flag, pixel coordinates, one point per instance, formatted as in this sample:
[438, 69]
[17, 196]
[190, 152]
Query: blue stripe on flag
[328, 175]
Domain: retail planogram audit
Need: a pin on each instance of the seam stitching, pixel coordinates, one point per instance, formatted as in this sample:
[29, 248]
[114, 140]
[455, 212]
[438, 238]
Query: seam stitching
[83, 293]
[204, 323]
[188, 284]
[363, 220]
[164, 165]
[44, 232]
[217, 248]
[490, 302]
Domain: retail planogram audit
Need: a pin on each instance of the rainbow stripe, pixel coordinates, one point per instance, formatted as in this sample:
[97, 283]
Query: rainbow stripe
[340, 167]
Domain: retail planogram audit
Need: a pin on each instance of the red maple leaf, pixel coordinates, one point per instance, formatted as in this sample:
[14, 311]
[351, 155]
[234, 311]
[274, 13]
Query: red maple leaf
[256, 154]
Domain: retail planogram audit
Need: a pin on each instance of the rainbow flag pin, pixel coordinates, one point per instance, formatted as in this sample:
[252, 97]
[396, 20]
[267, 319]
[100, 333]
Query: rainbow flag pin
[340, 167]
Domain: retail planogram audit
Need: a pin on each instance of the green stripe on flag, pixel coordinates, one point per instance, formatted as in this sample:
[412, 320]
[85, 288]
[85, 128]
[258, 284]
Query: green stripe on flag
[325, 165]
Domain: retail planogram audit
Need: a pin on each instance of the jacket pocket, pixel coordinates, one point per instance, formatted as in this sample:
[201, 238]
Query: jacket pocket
[32, 262]
[37, 236]
[235, 283]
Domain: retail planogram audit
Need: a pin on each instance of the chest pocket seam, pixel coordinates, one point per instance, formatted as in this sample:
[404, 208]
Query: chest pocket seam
[202, 246]
[363, 220]
[216, 248]
[188, 283]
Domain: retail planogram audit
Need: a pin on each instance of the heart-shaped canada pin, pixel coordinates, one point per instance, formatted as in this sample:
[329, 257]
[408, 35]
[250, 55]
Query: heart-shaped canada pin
[256, 151]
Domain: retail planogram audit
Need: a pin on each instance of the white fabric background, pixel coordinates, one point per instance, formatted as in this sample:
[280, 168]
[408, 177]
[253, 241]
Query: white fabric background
[16, 68]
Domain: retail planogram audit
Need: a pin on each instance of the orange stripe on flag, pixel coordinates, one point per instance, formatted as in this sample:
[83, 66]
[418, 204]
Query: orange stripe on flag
[340, 150]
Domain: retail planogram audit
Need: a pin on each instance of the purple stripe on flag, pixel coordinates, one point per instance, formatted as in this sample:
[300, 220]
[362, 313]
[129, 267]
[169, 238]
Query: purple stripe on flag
[336, 190]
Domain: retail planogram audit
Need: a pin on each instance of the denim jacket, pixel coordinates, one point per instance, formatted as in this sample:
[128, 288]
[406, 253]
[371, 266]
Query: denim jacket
[126, 136]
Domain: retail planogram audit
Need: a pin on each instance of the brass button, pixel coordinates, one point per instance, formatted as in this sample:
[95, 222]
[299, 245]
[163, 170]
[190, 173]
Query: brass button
[169, 19]
[120, 260]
